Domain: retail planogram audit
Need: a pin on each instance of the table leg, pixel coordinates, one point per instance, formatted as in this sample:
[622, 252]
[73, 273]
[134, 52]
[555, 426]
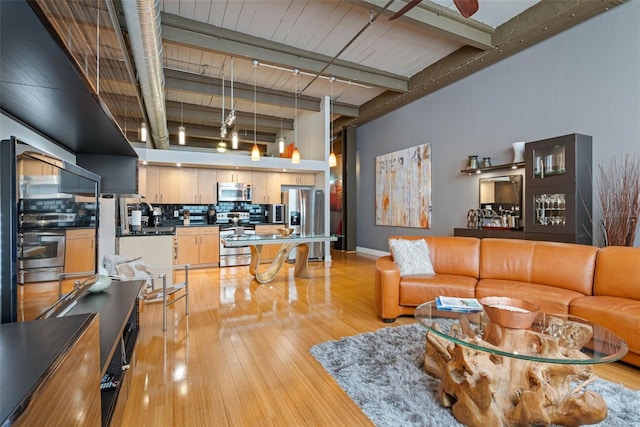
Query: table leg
[301, 268]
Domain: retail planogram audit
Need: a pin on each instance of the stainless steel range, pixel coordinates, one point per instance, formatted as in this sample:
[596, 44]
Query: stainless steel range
[234, 223]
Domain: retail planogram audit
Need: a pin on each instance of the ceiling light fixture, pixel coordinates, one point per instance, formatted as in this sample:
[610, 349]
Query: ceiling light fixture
[295, 156]
[234, 140]
[182, 137]
[281, 139]
[255, 151]
[332, 156]
[222, 146]
[143, 132]
[223, 126]
[231, 118]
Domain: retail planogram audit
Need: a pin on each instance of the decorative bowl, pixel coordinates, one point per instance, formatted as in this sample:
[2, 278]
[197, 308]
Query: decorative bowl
[285, 231]
[510, 312]
[101, 284]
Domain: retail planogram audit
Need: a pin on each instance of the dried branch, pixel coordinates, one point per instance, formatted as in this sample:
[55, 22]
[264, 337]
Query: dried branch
[619, 191]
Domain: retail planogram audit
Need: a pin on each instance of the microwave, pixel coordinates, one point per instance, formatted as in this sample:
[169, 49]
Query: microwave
[234, 192]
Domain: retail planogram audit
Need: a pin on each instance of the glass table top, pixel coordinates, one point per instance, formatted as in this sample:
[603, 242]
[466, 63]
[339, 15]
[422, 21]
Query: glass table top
[556, 332]
[257, 239]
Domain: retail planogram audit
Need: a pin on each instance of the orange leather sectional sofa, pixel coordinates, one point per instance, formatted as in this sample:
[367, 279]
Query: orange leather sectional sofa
[598, 284]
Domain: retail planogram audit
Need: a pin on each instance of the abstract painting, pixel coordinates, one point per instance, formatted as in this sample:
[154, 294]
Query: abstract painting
[403, 187]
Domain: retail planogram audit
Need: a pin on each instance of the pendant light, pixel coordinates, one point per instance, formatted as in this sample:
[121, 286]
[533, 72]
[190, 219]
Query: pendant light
[223, 125]
[231, 118]
[281, 139]
[255, 152]
[295, 156]
[182, 137]
[234, 140]
[143, 132]
[332, 156]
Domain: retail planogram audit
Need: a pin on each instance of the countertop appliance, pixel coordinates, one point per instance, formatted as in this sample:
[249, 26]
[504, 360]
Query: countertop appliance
[234, 223]
[234, 192]
[305, 214]
[274, 214]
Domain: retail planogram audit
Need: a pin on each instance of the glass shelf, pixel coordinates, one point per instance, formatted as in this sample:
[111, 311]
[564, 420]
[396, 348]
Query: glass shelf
[494, 168]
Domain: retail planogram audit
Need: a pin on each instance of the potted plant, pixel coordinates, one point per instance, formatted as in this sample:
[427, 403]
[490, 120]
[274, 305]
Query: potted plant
[619, 192]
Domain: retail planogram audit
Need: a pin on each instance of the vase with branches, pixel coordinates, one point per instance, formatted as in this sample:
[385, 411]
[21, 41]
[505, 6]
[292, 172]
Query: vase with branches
[619, 192]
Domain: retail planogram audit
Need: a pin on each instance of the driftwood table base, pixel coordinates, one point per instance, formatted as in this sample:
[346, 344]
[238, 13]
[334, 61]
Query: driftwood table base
[485, 389]
[301, 269]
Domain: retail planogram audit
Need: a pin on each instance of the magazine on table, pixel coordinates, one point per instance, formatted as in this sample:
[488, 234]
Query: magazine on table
[458, 304]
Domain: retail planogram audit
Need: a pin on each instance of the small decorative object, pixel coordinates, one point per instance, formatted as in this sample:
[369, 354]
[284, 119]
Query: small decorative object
[510, 312]
[101, 284]
[518, 151]
[285, 231]
[475, 218]
[473, 162]
[486, 162]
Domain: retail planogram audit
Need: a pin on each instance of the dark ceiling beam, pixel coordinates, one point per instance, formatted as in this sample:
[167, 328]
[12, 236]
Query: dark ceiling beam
[215, 39]
[444, 21]
[193, 83]
[540, 22]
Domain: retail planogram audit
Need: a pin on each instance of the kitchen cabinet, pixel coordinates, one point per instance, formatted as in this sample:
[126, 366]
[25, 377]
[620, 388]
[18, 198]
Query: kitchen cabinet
[266, 187]
[558, 182]
[79, 252]
[197, 245]
[207, 185]
[142, 180]
[226, 175]
[188, 184]
[162, 184]
[297, 179]
[169, 185]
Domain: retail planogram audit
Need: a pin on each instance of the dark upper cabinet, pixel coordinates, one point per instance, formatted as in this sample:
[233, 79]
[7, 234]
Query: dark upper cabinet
[558, 189]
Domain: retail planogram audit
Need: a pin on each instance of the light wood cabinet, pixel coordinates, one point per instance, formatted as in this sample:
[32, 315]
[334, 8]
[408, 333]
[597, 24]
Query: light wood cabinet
[188, 186]
[142, 180]
[152, 179]
[274, 190]
[207, 186]
[297, 179]
[259, 187]
[198, 245]
[266, 187]
[79, 253]
[226, 175]
[209, 250]
[169, 185]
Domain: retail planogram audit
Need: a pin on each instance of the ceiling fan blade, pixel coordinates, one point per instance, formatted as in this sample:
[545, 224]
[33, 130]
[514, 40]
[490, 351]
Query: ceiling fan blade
[407, 7]
[466, 7]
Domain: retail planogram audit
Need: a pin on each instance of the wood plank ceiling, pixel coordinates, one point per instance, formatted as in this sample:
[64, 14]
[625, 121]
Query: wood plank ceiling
[378, 64]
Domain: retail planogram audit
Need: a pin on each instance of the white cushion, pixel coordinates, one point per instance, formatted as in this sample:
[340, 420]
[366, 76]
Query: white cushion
[412, 256]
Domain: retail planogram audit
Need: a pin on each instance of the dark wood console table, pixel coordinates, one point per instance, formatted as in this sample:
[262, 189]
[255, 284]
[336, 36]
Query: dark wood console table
[482, 233]
[117, 308]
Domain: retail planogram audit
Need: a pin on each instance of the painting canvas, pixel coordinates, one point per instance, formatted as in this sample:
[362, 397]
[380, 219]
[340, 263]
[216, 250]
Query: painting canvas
[403, 187]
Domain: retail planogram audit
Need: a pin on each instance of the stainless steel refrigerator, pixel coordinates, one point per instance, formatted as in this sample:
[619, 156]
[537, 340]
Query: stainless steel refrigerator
[305, 214]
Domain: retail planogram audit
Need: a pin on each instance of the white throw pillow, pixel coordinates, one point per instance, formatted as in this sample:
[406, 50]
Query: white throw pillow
[412, 256]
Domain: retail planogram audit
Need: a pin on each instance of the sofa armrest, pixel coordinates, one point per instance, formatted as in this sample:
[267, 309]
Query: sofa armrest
[387, 288]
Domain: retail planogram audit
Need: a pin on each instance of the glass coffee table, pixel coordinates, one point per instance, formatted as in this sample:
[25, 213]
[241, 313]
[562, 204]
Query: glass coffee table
[493, 375]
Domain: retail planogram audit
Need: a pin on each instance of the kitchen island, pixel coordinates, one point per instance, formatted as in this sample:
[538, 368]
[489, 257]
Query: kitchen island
[257, 241]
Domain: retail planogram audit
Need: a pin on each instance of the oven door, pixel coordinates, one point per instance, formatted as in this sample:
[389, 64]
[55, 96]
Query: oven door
[234, 256]
[38, 249]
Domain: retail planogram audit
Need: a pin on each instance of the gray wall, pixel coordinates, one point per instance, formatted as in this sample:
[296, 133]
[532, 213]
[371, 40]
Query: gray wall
[584, 80]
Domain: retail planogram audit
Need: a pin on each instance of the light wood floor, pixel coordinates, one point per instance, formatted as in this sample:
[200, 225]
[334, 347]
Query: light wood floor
[242, 358]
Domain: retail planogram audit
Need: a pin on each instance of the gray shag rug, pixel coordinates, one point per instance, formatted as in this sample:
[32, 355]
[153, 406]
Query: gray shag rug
[383, 373]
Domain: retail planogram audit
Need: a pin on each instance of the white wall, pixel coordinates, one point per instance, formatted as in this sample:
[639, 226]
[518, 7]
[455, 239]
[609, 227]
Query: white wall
[584, 80]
